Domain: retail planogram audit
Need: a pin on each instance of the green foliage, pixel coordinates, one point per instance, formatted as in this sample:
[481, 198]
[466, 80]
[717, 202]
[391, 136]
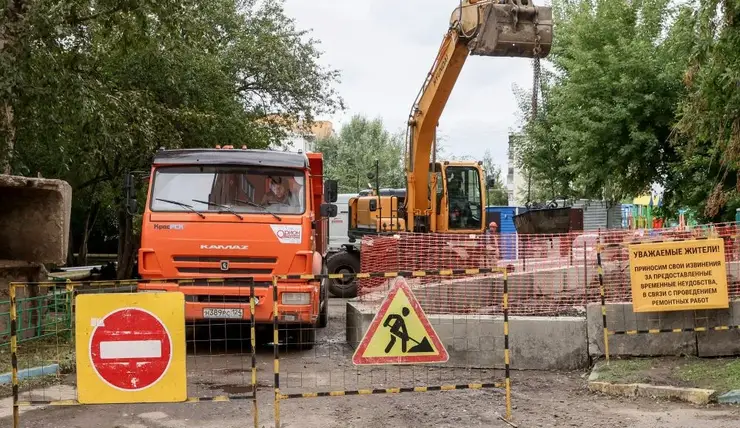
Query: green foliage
[97, 86]
[609, 105]
[350, 156]
[708, 128]
[641, 93]
[496, 194]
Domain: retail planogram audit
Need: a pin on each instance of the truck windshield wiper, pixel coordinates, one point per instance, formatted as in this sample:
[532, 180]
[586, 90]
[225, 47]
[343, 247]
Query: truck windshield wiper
[225, 207]
[182, 204]
[252, 204]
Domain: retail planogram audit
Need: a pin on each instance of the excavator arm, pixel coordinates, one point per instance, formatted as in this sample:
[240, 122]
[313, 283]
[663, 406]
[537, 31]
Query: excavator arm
[501, 28]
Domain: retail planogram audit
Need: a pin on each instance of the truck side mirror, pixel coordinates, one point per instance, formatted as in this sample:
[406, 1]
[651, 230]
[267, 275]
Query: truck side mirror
[328, 210]
[129, 187]
[331, 190]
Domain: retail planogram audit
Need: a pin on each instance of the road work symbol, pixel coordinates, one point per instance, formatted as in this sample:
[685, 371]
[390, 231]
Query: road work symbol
[400, 333]
[398, 329]
[130, 348]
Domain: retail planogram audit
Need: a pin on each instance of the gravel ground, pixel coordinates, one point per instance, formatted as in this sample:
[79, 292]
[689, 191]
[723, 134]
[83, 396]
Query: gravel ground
[541, 399]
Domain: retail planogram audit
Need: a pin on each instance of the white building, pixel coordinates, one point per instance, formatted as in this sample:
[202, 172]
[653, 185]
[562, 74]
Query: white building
[304, 137]
[516, 182]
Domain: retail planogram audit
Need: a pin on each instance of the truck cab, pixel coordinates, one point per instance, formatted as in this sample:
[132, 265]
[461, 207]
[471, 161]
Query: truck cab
[224, 218]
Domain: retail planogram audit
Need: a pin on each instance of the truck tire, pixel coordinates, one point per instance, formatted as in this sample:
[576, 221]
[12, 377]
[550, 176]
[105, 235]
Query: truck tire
[343, 262]
[306, 338]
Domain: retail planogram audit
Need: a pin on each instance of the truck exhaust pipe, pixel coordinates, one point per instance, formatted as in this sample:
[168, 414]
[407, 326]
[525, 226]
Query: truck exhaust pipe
[508, 28]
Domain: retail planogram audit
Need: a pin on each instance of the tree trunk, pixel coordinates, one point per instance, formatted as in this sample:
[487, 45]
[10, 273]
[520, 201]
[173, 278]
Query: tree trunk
[9, 131]
[92, 215]
[71, 249]
[9, 42]
[126, 246]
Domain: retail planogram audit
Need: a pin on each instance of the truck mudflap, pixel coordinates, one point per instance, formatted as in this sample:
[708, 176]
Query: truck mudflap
[512, 28]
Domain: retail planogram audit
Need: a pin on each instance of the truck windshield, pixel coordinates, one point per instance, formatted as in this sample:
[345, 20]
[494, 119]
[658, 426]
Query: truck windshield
[258, 190]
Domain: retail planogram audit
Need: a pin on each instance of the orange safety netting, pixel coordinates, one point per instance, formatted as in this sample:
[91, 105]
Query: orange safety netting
[549, 275]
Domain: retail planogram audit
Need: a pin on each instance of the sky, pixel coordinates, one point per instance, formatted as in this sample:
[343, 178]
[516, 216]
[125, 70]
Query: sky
[385, 48]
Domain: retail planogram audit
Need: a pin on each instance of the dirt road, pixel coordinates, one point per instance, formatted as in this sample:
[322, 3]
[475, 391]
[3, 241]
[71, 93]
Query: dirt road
[540, 399]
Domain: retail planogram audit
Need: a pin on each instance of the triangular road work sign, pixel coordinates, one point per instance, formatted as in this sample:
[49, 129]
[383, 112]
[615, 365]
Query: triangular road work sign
[400, 333]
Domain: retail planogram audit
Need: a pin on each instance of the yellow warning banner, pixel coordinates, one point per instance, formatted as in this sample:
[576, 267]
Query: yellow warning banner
[677, 276]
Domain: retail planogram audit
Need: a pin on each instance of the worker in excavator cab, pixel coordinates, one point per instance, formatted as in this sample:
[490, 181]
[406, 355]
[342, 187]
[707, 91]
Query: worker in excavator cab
[459, 205]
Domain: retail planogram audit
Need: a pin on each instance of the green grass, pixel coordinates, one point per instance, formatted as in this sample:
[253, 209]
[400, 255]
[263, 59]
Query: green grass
[40, 352]
[625, 371]
[719, 374]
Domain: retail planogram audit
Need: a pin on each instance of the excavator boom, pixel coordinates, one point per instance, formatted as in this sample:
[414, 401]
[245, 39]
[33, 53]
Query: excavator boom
[501, 28]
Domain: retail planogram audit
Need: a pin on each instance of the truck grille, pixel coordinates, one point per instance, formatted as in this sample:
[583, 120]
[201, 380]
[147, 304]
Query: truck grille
[211, 265]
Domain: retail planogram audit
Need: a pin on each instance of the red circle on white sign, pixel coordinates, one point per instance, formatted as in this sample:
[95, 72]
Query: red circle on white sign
[130, 349]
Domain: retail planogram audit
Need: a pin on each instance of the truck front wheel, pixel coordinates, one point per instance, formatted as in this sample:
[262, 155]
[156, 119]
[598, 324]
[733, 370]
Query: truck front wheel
[343, 262]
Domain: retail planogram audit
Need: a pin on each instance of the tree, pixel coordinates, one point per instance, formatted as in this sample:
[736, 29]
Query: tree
[350, 156]
[96, 87]
[496, 194]
[708, 118]
[610, 103]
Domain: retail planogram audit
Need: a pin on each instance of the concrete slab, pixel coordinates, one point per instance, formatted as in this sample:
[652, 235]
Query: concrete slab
[34, 219]
[719, 343]
[537, 343]
[620, 317]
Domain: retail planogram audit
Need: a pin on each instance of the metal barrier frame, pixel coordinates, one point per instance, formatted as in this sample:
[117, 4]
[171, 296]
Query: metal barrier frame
[405, 274]
[607, 333]
[70, 286]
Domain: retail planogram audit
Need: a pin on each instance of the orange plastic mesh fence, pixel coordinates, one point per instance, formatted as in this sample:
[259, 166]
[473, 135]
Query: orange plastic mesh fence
[549, 274]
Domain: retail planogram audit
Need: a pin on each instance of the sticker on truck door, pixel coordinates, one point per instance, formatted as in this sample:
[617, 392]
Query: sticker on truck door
[288, 234]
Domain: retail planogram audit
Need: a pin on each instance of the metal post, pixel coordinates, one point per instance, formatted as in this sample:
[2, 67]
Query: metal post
[505, 307]
[14, 354]
[253, 338]
[275, 345]
[603, 301]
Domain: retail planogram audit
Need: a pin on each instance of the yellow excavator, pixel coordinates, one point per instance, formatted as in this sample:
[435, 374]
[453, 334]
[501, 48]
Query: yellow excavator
[450, 196]
[443, 196]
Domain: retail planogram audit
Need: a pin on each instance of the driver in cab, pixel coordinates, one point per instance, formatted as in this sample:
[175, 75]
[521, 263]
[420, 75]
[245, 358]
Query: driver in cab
[278, 192]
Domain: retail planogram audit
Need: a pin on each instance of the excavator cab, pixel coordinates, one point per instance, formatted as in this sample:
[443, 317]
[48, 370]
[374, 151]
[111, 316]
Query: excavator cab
[510, 28]
[460, 197]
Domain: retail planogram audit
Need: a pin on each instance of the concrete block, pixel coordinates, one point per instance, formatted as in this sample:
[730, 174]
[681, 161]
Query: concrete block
[34, 219]
[50, 369]
[614, 389]
[538, 343]
[690, 395]
[620, 317]
[718, 343]
[732, 397]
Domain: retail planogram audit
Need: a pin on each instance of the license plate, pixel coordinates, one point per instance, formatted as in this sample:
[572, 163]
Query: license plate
[223, 313]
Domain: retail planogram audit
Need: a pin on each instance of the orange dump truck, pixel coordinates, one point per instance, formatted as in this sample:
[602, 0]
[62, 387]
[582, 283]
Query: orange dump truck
[239, 215]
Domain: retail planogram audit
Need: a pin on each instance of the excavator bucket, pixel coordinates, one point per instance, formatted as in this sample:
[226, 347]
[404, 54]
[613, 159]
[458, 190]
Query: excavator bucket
[512, 28]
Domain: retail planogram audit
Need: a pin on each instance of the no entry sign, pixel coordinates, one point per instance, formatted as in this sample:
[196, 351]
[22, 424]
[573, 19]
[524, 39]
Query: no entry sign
[130, 348]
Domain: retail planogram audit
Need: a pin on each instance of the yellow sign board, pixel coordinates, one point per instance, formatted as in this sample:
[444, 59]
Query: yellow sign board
[130, 348]
[400, 333]
[677, 276]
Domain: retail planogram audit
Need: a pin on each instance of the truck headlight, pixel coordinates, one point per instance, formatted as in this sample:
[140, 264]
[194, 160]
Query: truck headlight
[296, 298]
